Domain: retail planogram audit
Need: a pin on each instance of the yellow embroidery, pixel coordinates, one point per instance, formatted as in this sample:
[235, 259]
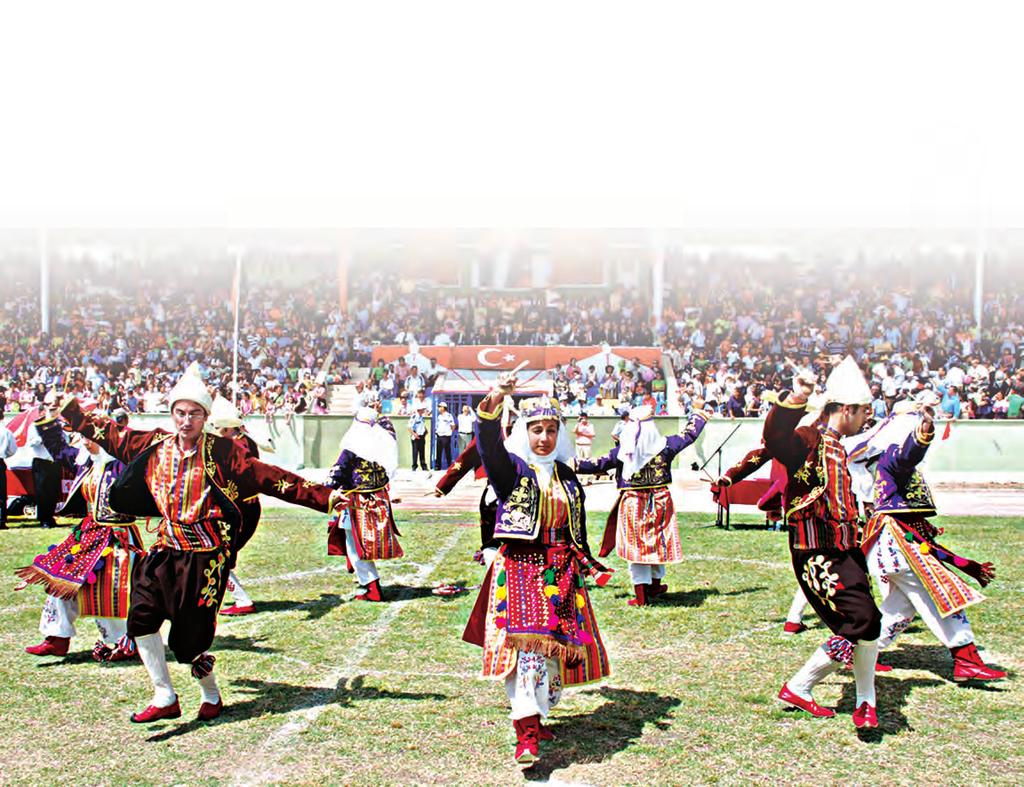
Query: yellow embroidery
[208, 595]
[819, 577]
[283, 485]
[456, 466]
[231, 491]
[308, 484]
[98, 433]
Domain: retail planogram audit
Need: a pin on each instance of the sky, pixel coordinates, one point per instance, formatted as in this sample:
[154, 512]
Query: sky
[528, 114]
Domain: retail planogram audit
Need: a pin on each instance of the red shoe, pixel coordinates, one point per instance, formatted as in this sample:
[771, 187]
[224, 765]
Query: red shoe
[880, 667]
[641, 596]
[208, 710]
[793, 628]
[810, 706]
[864, 717]
[967, 665]
[657, 588]
[51, 646]
[122, 654]
[544, 733]
[372, 592]
[153, 713]
[234, 609]
[527, 742]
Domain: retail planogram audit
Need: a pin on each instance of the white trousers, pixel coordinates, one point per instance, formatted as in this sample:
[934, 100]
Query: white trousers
[366, 570]
[907, 597]
[645, 573]
[59, 616]
[238, 594]
[534, 686]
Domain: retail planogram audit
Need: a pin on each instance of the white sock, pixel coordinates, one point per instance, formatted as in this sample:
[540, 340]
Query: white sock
[241, 598]
[796, 609]
[865, 654]
[151, 651]
[208, 689]
[818, 667]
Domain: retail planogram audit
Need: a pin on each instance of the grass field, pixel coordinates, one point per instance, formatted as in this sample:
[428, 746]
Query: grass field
[322, 688]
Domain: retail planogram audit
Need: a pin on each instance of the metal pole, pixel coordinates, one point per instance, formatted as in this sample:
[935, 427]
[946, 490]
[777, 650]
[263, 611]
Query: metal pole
[234, 351]
[44, 283]
[979, 280]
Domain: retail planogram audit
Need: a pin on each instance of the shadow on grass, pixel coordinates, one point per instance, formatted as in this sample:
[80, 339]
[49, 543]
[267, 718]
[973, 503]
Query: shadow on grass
[404, 592]
[246, 644]
[892, 694]
[314, 608]
[934, 658]
[598, 735]
[695, 598]
[268, 698]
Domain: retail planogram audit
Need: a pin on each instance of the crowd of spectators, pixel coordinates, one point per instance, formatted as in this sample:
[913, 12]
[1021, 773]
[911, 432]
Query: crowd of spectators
[732, 330]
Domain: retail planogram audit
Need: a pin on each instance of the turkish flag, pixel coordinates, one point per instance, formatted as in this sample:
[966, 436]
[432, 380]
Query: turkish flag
[20, 423]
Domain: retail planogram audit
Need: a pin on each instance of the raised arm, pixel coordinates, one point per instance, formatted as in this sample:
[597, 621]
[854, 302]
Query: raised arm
[54, 441]
[123, 444]
[603, 464]
[501, 470]
[780, 437]
[677, 442]
[914, 448]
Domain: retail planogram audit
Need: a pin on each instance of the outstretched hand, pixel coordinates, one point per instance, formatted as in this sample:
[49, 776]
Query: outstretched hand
[337, 500]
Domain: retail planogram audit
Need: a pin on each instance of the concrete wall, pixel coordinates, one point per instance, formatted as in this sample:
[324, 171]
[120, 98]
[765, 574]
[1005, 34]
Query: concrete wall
[976, 450]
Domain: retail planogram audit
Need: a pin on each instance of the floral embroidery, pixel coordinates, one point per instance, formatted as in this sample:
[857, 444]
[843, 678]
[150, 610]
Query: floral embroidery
[208, 595]
[819, 577]
[283, 485]
[231, 491]
[98, 433]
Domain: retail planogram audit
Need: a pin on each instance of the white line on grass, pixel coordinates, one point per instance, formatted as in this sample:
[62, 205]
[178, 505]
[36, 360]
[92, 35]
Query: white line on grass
[260, 769]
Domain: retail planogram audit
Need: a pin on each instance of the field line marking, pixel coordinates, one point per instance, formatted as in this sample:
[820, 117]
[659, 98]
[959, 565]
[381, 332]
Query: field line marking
[257, 770]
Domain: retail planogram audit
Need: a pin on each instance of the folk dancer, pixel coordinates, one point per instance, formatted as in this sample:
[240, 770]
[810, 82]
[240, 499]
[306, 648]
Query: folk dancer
[533, 617]
[87, 574]
[193, 483]
[642, 524]
[822, 516]
[365, 530]
[901, 547]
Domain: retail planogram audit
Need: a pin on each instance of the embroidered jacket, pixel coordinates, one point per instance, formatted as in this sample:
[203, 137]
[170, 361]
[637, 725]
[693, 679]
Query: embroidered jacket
[65, 455]
[899, 486]
[352, 473]
[821, 508]
[515, 483]
[658, 471]
[231, 472]
[748, 465]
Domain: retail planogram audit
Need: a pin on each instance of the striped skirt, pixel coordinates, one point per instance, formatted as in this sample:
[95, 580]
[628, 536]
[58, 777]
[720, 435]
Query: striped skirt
[642, 527]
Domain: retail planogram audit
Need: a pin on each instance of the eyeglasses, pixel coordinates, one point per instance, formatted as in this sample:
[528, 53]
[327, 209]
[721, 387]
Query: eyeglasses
[194, 416]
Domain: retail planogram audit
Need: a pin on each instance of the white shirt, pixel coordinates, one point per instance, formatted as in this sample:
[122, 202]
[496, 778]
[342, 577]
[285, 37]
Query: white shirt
[466, 421]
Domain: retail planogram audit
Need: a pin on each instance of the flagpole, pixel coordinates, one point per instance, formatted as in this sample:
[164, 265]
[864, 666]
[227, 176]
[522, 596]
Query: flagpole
[234, 351]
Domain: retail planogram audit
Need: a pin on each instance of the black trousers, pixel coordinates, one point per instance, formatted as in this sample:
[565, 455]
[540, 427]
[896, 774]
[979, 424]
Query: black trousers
[419, 457]
[443, 453]
[46, 479]
[185, 588]
[836, 584]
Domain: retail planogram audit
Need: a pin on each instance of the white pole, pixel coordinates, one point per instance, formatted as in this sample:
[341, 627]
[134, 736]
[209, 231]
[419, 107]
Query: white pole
[979, 280]
[234, 350]
[44, 284]
[658, 276]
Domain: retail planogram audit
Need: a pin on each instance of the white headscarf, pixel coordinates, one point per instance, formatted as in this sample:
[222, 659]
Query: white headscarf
[640, 441]
[367, 440]
[518, 442]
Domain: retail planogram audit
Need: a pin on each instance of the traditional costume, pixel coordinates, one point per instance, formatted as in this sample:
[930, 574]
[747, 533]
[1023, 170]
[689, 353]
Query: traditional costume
[88, 573]
[824, 543]
[773, 504]
[194, 495]
[227, 421]
[466, 462]
[642, 525]
[365, 529]
[533, 617]
[902, 551]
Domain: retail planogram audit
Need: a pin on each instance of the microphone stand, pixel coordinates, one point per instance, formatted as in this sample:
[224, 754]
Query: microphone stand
[718, 453]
